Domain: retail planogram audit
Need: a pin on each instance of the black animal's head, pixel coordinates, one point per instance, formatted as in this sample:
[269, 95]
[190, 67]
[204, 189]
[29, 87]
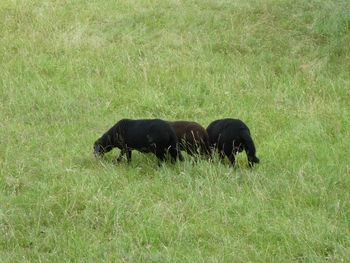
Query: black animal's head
[103, 145]
[98, 149]
[112, 138]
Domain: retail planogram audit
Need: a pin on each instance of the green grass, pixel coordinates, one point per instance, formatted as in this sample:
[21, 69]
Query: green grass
[70, 69]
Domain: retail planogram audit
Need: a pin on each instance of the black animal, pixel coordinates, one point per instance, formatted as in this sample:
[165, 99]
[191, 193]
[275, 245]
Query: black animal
[230, 136]
[193, 138]
[154, 136]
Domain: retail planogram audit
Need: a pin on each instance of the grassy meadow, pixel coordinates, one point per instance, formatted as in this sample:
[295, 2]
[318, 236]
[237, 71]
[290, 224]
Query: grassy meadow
[70, 69]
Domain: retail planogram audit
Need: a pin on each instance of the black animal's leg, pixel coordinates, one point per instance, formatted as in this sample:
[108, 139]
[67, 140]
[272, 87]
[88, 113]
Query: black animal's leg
[128, 156]
[175, 152]
[231, 157]
[120, 156]
[220, 148]
[222, 156]
[229, 152]
[181, 158]
[178, 154]
[161, 157]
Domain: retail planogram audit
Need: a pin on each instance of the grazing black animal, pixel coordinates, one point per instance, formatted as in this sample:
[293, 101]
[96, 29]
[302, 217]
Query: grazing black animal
[154, 136]
[230, 136]
[193, 138]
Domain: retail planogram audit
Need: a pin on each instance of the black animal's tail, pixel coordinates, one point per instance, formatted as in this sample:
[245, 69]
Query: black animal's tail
[249, 147]
[174, 149]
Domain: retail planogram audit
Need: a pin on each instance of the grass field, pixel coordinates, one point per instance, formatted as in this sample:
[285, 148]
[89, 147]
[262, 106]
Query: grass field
[70, 69]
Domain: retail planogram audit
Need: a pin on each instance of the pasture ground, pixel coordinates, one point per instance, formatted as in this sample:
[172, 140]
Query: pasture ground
[70, 69]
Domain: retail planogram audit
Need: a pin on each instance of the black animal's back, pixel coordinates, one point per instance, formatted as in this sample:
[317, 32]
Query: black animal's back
[141, 133]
